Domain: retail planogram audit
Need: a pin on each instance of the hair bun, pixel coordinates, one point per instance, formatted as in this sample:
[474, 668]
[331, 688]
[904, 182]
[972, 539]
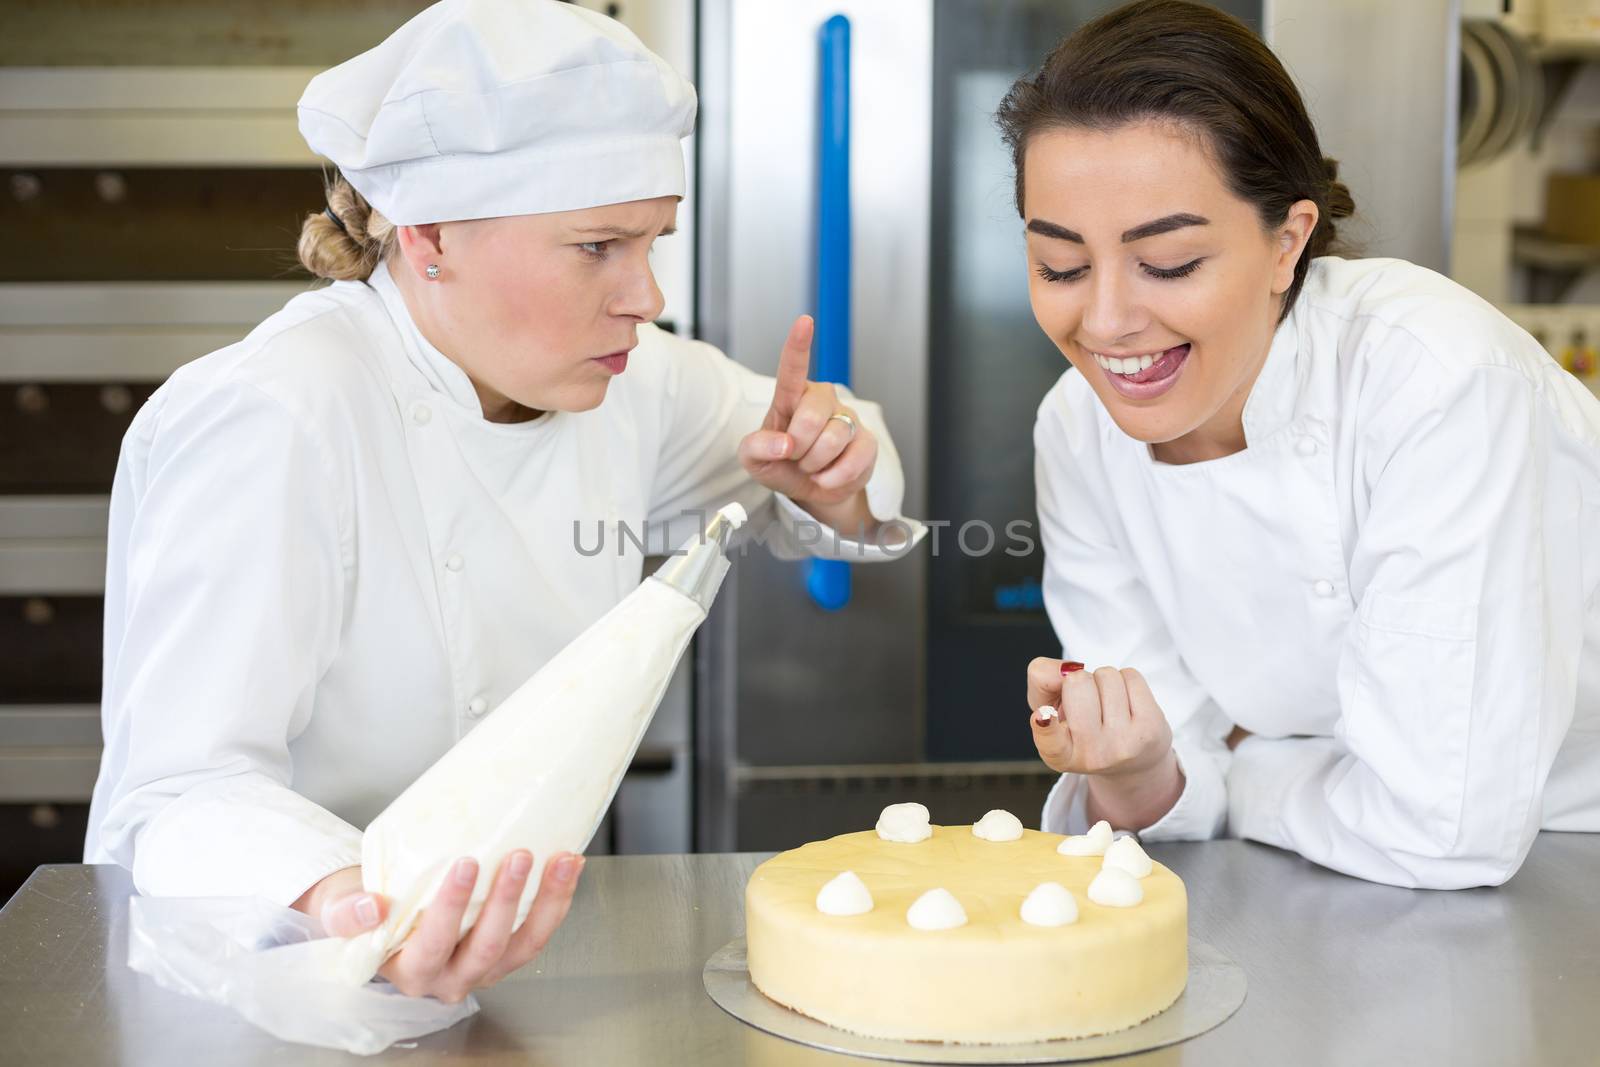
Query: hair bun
[1340, 204]
[346, 240]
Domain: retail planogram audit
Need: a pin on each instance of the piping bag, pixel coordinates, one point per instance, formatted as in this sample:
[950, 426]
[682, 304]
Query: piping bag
[538, 773]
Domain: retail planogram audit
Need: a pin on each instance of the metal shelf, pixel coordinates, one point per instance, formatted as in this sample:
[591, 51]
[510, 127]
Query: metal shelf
[57, 775]
[1560, 63]
[48, 752]
[152, 116]
[125, 331]
[50, 725]
[1554, 265]
[1561, 51]
[53, 545]
[1542, 250]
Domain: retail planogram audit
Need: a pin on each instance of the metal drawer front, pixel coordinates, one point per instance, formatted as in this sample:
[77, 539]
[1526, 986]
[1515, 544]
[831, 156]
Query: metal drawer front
[64, 438]
[200, 224]
[52, 651]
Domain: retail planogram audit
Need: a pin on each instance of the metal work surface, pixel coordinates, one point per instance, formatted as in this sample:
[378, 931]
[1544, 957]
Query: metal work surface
[1340, 972]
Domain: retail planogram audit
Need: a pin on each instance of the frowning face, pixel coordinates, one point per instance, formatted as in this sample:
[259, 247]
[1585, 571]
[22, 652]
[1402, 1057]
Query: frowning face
[539, 310]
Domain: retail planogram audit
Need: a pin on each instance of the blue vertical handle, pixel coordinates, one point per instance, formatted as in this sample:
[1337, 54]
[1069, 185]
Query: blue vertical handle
[828, 580]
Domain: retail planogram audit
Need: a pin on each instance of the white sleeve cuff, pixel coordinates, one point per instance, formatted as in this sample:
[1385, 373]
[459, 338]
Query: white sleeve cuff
[1201, 809]
[244, 836]
[897, 535]
[1065, 809]
[1197, 815]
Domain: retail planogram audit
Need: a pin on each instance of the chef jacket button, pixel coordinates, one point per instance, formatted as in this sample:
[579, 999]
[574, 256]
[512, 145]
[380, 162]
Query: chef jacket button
[420, 414]
[455, 562]
[477, 706]
[1323, 588]
[1306, 446]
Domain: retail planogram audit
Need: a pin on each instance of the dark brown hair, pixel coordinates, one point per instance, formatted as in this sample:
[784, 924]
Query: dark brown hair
[1206, 71]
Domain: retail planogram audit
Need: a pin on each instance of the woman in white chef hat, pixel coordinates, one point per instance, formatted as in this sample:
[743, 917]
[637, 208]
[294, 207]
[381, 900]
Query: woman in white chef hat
[1329, 528]
[338, 543]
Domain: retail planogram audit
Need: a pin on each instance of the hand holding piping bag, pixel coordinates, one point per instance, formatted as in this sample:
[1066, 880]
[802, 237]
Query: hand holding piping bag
[435, 959]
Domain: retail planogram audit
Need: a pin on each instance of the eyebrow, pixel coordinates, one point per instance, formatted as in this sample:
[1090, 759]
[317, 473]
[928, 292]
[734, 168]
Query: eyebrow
[1045, 228]
[620, 233]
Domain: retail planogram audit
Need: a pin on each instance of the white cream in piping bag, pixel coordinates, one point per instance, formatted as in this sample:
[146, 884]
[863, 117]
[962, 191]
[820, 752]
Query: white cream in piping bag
[540, 771]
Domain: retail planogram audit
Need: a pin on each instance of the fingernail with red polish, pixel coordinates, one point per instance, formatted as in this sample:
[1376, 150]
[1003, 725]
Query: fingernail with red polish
[1045, 716]
[1071, 666]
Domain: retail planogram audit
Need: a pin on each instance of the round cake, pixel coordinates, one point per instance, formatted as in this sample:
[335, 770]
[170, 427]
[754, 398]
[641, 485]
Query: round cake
[992, 978]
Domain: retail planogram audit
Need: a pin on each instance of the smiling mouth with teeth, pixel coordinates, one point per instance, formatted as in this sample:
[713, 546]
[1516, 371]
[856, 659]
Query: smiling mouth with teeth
[1128, 364]
[1146, 375]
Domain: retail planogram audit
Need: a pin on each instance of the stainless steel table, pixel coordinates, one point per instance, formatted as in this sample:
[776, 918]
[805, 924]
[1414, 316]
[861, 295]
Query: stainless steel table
[1340, 971]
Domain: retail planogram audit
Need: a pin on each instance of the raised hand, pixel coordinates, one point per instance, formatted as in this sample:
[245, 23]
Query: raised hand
[811, 447]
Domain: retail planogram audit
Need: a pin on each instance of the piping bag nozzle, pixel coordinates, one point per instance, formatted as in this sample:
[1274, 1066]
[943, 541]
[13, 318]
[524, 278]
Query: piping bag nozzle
[697, 567]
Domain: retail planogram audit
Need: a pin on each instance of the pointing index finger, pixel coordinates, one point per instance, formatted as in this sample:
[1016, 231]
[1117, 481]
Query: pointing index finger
[794, 368]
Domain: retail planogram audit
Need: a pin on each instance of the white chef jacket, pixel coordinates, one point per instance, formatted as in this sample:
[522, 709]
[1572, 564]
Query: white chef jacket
[324, 566]
[1393, 587]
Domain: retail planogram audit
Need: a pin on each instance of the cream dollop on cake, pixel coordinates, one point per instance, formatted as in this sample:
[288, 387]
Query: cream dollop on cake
[1126, 855]
[998, 826]
[936, 909]
[845, 895]
[1116, 888]
[1050, 904]
[906, 824]
[1093, 843]
[1002, 976]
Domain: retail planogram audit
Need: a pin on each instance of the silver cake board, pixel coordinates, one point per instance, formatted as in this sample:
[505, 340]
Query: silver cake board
[1215, 991]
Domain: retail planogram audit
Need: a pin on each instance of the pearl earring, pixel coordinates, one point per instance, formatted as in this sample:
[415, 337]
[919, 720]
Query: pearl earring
[433, 272]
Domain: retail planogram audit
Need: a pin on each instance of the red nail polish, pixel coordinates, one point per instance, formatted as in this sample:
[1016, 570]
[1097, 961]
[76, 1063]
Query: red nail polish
[1071, 666]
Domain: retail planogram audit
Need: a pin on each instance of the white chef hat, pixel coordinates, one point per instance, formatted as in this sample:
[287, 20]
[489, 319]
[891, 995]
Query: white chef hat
[482, 108]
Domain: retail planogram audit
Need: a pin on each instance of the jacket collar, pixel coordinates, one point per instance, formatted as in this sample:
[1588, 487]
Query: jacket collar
[1274, 398]
[442, 374]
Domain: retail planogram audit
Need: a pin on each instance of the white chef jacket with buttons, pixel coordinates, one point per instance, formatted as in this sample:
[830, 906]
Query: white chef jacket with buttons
[1395, 587]
[324, 566]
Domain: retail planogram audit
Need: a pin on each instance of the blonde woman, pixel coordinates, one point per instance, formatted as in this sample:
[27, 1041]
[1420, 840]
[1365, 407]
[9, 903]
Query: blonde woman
[338, 543]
